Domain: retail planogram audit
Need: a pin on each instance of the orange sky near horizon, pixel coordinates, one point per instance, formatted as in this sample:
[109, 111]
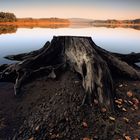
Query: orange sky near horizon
[90, 9]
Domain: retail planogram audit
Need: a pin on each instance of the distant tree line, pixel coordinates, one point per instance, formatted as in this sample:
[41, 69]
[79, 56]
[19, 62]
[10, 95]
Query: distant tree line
[113, 21]
[7, 17]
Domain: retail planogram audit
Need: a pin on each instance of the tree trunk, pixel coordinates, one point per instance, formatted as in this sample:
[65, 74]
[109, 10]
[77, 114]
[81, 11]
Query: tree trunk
[95, 65]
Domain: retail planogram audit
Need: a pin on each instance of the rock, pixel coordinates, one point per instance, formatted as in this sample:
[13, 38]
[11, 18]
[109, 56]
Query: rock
[52, 75]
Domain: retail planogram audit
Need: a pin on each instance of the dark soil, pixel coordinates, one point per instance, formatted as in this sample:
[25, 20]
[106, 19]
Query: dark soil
[50, 109]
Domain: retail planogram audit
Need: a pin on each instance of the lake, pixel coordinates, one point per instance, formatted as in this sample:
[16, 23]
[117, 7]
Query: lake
[123, 40]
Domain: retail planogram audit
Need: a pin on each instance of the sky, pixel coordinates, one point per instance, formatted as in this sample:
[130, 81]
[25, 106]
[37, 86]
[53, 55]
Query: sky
[90, 9]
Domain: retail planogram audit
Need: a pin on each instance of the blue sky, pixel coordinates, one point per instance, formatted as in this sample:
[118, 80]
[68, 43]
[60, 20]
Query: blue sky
[95, 9]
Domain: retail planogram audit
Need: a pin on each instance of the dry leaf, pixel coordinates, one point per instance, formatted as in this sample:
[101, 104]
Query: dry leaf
[85, 124]
[129, 94]
[139, 123]
[118, 102]
[32, 138]
[86, 139]
[135, 101]
[127, 137]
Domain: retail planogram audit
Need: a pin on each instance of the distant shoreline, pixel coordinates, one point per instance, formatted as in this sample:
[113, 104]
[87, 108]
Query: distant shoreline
[46, 21]
[37, 22]
[12, 26]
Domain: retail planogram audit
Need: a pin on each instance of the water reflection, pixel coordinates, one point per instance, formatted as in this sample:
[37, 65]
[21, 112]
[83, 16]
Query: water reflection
[4, 29]
[136, 27]
[123, 40]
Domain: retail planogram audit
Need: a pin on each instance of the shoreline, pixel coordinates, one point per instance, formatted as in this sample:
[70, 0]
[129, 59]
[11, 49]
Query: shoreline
[36, 102]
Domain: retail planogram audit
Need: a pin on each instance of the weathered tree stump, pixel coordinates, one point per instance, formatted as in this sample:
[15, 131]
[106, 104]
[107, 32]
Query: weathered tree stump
[96, 66]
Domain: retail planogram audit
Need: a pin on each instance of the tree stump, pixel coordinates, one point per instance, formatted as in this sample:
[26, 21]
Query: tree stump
[95, 65]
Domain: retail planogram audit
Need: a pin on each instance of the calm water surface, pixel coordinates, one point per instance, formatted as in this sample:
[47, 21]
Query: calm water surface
[123, 40]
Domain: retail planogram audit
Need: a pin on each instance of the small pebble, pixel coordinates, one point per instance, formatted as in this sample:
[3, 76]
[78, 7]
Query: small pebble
[139, 123]
[118, 102]
[95, 101]
[136, 107]
[132, 109]
[135, 101]
[112, 118]
[123, 109]
[131, 103]
[120, 85]
[86, 138]
[32, 138]
[85, 125]
[126, 119]
[76, 82]
[37, 128]
[119, 106]
[127, 137]
[103, 110]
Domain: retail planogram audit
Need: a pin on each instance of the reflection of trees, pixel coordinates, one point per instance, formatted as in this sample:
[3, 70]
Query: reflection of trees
[13, 28]
[4, 29]
[42, 25]
[137, 27]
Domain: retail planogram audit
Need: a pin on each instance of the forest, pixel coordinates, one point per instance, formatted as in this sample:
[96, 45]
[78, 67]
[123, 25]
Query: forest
[7, 17]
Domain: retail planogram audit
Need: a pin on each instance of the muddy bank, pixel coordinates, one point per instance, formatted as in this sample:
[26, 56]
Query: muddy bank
[50, 109]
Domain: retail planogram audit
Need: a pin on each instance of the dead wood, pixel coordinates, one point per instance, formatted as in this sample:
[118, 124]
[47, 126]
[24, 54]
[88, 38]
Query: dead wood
[96, 66]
